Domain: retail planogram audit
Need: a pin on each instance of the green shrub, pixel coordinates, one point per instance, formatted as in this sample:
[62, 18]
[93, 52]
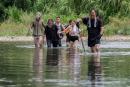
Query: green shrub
[118, 26]
[14, 14]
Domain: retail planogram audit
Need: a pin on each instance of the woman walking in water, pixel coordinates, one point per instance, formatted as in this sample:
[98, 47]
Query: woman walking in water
[73, 33]
[51, 32]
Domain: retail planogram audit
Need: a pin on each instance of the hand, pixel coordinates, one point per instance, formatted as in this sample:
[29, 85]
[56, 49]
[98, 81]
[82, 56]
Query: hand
[102, 31]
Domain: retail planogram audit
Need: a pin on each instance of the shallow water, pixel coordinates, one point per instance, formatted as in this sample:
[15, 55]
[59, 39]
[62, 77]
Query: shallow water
[22, 65]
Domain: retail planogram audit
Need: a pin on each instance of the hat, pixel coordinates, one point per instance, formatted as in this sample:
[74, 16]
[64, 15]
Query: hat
[38, 15]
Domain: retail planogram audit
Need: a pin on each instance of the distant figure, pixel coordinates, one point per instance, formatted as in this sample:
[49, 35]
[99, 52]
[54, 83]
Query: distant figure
[95, 31]
[37, 27]
[73, 33]
[51, 32]
[60, 30]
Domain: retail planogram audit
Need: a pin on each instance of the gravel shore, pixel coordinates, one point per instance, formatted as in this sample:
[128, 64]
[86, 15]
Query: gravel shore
[16, 39]
[30, 38]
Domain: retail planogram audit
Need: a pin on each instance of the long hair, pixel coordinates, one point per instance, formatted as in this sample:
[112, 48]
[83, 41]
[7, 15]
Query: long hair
[49, 21]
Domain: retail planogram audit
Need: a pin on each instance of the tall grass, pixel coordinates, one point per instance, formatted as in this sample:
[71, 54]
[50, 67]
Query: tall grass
[17, 24]
[18, 21]
[12, 29]
[118, 26]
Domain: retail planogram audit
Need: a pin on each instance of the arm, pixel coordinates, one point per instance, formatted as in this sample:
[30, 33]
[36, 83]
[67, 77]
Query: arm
[32, 25]
[43, 28]
[102, 31]
[30, 28]
[67, 29]
[63, 27]
[78, 24]
[43, 24]
[45, 31]
[101, 27]
[83, 20]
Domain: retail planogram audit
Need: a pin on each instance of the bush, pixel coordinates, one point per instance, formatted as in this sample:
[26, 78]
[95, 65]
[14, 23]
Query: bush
[23, 4]
[118, 26]
[3, 14]
[14, 14]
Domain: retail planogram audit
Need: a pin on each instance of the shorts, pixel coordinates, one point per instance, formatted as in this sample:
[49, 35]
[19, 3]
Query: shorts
[92, 43]
[73, 38]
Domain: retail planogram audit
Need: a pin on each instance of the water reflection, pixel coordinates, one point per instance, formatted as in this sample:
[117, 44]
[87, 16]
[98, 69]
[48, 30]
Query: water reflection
[73, 64]
[51, 70]
[95, 71]
[52, 57]
[63, 67]
[22, 67]
[38, 67]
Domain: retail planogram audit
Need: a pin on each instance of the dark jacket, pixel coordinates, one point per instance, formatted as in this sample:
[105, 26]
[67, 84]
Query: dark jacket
[51, 33]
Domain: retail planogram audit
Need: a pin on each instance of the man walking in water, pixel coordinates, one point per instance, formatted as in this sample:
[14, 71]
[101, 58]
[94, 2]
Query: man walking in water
[95, 31]
[37, 27]
[60, 30]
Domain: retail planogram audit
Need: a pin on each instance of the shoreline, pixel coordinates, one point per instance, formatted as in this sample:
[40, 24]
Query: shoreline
[30, 38]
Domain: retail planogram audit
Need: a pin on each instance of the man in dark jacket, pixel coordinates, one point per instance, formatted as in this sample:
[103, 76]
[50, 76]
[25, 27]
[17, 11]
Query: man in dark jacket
[60, 30]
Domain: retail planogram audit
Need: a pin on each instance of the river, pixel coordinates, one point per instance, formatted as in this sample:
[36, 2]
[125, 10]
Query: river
[22, 65]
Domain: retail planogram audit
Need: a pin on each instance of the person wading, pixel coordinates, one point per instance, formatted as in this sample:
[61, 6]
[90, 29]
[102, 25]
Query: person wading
[66, 32]
[60, 30]
[37, 28]
[73, 32]
[51, 32]
[95, 31]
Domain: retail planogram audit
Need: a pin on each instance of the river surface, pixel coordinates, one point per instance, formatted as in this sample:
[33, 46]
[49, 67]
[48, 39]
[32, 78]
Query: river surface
[22, 65]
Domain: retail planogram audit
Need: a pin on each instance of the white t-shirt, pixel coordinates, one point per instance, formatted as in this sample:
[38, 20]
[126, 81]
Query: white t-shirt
[74, 31]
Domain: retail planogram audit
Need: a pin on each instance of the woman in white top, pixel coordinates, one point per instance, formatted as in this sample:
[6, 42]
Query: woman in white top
[73, 33]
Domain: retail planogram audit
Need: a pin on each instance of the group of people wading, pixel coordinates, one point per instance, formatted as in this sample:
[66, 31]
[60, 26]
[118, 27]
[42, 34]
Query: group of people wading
[54, 31]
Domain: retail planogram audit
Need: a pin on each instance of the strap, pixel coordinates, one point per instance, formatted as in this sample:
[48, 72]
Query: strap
[95, 22]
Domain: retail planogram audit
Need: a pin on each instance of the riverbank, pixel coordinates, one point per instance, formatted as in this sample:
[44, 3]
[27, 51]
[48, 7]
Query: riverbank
[30, 38]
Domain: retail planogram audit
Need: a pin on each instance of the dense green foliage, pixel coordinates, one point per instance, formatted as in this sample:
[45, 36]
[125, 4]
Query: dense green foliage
[105, 8]
[113, 12]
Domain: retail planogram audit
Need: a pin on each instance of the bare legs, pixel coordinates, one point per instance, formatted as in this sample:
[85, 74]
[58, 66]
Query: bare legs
[73, 44]
[38, 41]
[95, 49]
